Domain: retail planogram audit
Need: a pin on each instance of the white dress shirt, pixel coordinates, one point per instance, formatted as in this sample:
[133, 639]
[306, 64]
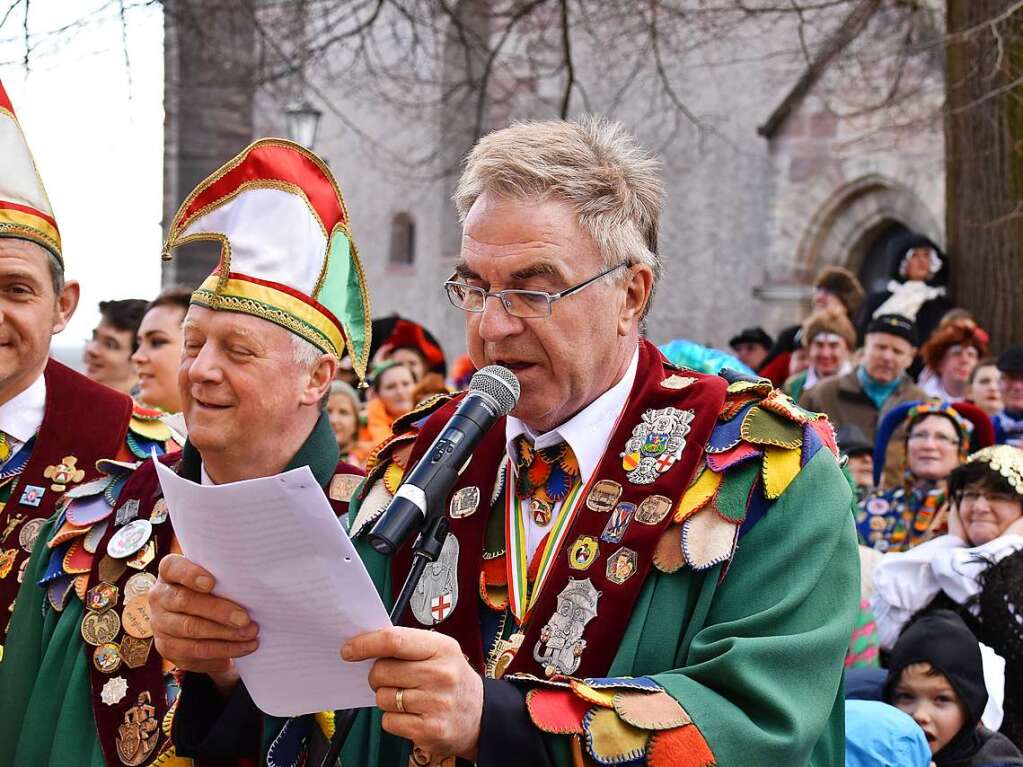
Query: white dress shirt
[587, 433]
[22, 415]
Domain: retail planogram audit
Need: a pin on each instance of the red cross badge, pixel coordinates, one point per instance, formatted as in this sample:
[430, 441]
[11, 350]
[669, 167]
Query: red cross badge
[440, 607]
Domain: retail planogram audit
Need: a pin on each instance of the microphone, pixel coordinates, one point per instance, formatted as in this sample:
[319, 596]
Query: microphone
[493, 392]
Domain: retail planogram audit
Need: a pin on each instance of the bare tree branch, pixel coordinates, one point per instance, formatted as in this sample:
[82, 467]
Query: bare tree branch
[566, 43]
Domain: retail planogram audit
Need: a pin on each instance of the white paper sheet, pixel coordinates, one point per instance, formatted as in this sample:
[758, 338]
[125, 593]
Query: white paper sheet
[275, 547]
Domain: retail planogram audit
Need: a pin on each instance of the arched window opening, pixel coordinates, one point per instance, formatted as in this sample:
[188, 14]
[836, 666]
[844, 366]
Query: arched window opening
[403, 240]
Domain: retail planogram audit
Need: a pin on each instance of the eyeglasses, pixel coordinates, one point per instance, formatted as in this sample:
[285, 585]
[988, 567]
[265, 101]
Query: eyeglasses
[941, 439]
[972, 496]
[526, 304]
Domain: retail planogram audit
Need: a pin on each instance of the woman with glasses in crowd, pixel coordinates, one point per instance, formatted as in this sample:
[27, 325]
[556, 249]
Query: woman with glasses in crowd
[975, 570]
[900, 517]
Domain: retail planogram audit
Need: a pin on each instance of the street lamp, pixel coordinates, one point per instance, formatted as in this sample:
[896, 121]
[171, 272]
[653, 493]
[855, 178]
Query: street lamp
[303, 121]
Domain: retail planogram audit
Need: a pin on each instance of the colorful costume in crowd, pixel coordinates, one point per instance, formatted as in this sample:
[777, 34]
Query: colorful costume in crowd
[901, 517]
[88, 688]
[690, 602]
[52, 433]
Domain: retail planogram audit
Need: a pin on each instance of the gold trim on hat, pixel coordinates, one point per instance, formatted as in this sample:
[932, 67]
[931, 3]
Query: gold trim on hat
[1006, 460]
[275, 305]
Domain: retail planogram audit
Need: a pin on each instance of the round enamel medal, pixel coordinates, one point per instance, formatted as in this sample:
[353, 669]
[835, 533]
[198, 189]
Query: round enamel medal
[130, 538]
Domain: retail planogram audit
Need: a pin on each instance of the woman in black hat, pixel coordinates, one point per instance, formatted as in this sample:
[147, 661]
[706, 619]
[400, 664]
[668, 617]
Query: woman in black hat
[917, 288]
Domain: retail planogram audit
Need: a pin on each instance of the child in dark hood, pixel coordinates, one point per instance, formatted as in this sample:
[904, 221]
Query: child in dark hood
[917, 287]
[936, 675]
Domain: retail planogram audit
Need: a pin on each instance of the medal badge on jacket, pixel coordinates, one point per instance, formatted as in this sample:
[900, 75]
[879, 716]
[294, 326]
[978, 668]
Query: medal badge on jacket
[656, 443]
[437, 593]
[561, 644]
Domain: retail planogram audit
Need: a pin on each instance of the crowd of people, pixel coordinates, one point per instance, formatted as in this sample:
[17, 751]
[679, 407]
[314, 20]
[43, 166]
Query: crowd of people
[650, 562]
[928, 416]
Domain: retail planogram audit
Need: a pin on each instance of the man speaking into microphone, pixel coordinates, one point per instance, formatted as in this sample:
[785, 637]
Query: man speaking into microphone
[643, 564]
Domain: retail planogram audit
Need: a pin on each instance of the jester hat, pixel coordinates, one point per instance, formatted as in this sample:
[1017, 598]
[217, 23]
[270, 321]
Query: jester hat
[25, 210]
[972, 424]
[286, 250]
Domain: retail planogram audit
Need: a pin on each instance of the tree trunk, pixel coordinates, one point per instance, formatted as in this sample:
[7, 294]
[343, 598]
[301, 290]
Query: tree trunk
[984, 148]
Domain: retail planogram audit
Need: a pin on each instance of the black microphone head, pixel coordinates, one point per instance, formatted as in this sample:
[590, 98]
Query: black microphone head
[499, 384]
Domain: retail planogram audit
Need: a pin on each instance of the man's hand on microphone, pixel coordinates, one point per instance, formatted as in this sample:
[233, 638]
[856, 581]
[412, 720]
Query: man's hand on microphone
[441, 693]
[195, 630]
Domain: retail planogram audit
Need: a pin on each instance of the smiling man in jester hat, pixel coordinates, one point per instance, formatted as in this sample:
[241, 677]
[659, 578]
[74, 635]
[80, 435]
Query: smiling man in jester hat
[646, 564]
[262, 339]
[54, 423]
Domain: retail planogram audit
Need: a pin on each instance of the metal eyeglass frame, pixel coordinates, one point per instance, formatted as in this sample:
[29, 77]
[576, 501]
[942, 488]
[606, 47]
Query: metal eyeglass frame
[500, 295]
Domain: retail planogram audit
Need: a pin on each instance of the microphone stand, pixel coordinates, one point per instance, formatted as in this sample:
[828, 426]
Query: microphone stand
[426, 550]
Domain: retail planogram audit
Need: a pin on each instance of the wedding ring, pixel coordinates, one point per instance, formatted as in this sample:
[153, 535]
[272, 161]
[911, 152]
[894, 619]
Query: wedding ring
[398, 702]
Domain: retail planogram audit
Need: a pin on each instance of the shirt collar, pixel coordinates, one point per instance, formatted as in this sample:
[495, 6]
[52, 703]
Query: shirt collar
[588, 431]
[22, 415]
[319, 452]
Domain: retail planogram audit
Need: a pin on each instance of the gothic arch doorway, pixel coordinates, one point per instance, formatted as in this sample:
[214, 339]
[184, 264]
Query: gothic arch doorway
[874, 255]
[854, 227]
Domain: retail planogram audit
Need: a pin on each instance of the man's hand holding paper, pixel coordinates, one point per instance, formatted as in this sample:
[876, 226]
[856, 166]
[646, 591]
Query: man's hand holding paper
[195, 630]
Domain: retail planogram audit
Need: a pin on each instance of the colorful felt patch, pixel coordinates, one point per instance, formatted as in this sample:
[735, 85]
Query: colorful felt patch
[94, 487]
[610, 740]
[494, 595]
[734, 405]
[67, 532]
[142, 448]
[81, 583]
[707, 539]
[651, 711]
[592, 695]
[325, 721]
[558, 712]
[679, 747]
[85, 512]
[811, 444]
[77, 560]
[744, 451]
[152, 429]
[392, 477]
[371, 507]
[699, 495]
[727, 435]
[732, 499]
[762, 427]
[643, 683]
[826, 432]
[780, 403]
[55, 565]
[780, 467]
[667, 555]
[761, 386]
[58, 591]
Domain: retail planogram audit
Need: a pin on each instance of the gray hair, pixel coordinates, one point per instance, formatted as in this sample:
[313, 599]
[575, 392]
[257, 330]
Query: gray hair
[304, 353]
[593, 164]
